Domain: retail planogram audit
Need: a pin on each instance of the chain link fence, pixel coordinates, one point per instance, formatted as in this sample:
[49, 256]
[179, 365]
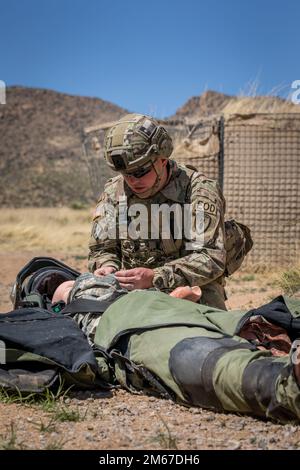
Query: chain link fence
[256, 159]
[261, 182]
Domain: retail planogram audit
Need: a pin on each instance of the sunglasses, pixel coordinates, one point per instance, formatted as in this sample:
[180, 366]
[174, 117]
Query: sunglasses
[140, 172]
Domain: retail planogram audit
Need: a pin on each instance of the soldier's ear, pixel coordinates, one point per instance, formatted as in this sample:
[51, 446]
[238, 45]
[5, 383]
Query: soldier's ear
[164, 161]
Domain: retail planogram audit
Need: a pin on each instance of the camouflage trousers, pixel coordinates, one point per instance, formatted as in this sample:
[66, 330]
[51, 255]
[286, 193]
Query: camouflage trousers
[88, 323]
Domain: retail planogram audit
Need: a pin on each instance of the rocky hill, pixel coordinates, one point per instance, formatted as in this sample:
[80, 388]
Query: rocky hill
[40, 153]
[41, 160]
[206, 104]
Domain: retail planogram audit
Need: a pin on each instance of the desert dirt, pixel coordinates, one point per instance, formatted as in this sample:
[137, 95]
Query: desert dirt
[118, 419]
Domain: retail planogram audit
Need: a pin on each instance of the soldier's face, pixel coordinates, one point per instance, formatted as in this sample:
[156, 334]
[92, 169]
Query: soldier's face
[146, 182]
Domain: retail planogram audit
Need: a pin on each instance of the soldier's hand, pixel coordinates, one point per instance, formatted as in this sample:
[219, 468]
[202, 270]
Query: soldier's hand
[104, 271]
[137, 278]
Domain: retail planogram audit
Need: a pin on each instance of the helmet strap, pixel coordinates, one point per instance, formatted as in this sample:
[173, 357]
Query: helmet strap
[153, 190]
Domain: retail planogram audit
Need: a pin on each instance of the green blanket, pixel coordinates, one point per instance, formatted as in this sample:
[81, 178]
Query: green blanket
[191, 353]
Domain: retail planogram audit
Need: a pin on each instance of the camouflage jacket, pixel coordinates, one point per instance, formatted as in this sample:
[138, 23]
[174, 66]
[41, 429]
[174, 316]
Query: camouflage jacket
[173, 264]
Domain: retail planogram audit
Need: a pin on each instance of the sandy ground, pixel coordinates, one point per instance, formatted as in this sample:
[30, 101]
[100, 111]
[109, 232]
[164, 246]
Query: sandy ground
[120, 420]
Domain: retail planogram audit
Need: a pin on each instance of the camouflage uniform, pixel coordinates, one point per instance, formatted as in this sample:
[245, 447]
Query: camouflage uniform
[90, 287]
[172, 263]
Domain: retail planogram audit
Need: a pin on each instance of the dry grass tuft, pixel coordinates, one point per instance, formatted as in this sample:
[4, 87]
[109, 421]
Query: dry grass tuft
[60, 229]
[289, 280]
[259, 104]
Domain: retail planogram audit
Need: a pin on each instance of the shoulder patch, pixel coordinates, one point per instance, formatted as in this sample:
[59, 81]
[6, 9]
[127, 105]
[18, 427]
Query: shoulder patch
[209, 207]
[207, 189]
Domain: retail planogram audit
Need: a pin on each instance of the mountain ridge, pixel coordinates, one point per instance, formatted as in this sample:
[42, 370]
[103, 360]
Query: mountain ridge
[41, 160]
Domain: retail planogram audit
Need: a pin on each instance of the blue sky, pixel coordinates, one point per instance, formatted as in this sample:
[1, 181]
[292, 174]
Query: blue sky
[150, 56]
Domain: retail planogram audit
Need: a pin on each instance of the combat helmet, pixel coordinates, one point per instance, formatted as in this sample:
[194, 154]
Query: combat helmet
[37, 281]
[134, 142]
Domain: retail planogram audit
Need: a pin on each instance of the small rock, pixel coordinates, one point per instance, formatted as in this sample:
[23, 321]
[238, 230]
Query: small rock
[262, 444]
[210, 418]
[239, 427]
[234, 445]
